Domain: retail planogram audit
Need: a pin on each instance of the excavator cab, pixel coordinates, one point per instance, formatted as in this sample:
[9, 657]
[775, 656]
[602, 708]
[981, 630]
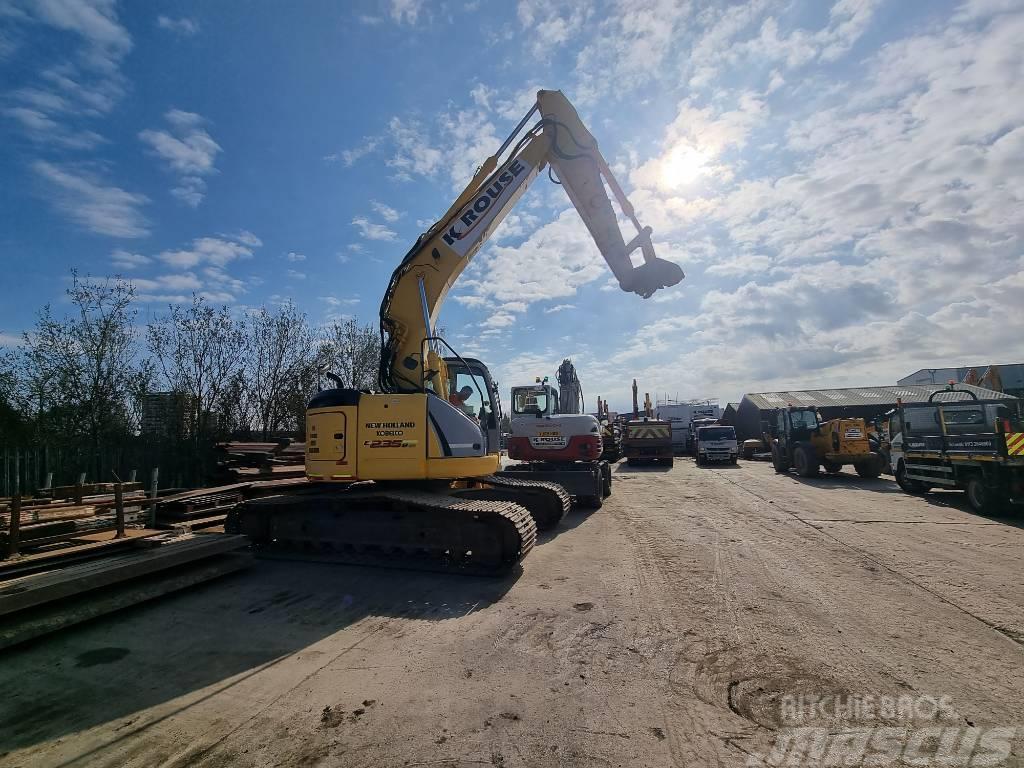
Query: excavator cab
[483, 403]
[535, 400]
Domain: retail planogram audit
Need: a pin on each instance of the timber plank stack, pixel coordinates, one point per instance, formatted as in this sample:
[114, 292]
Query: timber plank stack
[45, 593]
[53, 520]
[268, 460]
[72, 565]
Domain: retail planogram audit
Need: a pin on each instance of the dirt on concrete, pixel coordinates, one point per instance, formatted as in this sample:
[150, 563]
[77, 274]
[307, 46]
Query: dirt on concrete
[688, 622]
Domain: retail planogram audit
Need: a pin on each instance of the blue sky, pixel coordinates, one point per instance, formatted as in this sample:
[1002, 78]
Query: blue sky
[841, 181]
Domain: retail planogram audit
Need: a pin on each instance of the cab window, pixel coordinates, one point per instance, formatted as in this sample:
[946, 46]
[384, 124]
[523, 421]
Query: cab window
[963, 420]
[529, 401]
[473, 404]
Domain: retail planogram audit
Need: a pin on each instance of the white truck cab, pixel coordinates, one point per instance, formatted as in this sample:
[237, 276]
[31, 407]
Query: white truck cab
[716, 443]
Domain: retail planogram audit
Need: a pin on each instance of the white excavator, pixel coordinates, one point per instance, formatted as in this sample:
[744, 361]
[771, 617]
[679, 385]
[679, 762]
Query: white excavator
[552, 439]
[408, 475]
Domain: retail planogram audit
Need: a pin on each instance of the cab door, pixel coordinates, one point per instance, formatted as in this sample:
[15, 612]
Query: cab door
[483, 404]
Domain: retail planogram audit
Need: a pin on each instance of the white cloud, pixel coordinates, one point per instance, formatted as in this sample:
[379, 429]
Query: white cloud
[190, 191]
[630, 47]
[95, 22]
[127, 260]
[482, 95]
[213, 251]
[386, 212]
[188, 150]
[92, 204]
[293, 256]
[187, 281]
[499, 320]
[412, 152]
[875, 230]
[468, 135]
[373, 231]
[42, 128]
[294, 274]
[183, 26]
[245, 237]
[552, 24]
[553, 262]
[349, 157]
[10, 339]
[77, 80]
[559, 308]
[334, 301]
[405, 11]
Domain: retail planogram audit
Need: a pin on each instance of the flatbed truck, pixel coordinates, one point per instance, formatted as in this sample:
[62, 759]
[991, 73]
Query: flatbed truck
[968, 444]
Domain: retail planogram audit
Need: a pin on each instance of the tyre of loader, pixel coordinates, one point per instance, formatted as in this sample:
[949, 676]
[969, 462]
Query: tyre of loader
[806, 461]
[779, 461]
[871, 468]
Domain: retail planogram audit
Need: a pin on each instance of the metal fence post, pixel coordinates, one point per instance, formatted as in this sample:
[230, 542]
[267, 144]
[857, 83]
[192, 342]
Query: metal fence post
[119, 510]
[14, 533]
[154, 484]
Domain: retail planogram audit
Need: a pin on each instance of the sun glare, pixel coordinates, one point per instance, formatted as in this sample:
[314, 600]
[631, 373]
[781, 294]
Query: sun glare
[683, 165]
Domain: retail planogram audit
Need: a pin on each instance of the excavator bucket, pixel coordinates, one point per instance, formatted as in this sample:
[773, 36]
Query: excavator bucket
[652, 276]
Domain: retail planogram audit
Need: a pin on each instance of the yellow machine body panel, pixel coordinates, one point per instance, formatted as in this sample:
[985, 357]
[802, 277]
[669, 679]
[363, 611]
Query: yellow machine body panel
[330, 449]
[392, 436]
[385, 437]
[842, 440]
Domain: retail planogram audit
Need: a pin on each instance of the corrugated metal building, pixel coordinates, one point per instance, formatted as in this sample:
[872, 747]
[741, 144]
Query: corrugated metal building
[728, 417]
[858, 402]
[1005, 378]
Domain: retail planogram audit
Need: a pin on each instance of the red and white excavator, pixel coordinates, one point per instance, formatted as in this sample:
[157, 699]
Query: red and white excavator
[555, 441]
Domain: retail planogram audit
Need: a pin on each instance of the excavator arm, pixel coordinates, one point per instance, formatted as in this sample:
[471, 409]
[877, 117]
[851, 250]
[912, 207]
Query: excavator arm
[410, 356]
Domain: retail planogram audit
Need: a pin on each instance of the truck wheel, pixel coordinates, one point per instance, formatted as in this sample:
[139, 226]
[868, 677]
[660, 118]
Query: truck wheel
[778, 461]
[606, 480]
[697, 460]
[831, 467]
[590, 502]
[806, 463]
[670, 462]
[983, 499]
[734, 460]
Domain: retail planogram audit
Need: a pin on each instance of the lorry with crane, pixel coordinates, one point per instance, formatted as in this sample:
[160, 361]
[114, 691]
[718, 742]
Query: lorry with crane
[553, 440]
[402, 476]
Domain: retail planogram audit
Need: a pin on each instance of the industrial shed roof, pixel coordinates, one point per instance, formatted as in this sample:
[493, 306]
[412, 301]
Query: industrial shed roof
[881, 396]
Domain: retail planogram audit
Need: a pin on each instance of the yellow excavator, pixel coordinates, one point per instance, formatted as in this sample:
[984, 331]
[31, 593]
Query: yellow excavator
[409, 475]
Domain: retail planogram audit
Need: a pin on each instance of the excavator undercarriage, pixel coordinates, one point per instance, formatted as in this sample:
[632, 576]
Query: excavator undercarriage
[478, 526]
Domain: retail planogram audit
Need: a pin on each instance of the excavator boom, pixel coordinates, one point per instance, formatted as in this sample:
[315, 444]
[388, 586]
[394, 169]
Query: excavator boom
[435, 496]
[419, 285]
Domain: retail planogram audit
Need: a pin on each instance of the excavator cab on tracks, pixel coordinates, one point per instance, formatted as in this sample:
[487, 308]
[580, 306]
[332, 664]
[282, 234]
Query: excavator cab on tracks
[406, 475]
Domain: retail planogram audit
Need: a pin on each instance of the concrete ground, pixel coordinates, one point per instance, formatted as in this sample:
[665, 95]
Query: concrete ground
[672, 627]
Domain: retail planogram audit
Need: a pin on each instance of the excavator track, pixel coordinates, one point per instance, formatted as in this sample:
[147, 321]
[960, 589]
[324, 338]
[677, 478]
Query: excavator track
[397, 529]
[548, 503]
